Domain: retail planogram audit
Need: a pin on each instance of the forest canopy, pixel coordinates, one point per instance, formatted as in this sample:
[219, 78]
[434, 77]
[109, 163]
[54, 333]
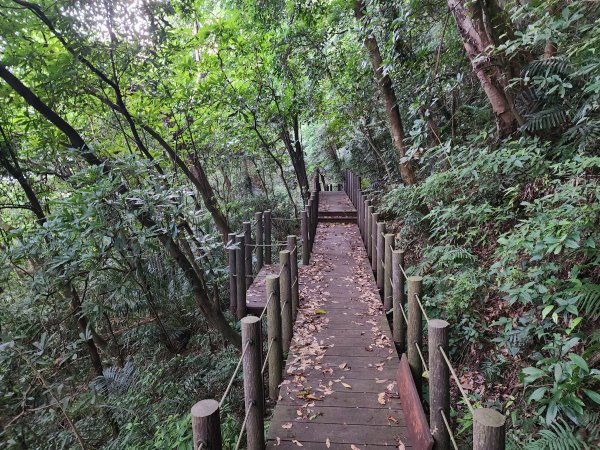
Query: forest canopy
[136, 135]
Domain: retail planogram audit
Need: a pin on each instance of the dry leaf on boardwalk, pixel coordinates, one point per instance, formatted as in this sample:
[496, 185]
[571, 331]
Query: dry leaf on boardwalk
[297, 443]
[381, 398]
[327, 443]
[286, 426]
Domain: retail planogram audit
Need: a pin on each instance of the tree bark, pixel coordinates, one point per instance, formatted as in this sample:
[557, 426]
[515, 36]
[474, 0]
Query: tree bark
[296, 153]
[483, 26]
[407, 169]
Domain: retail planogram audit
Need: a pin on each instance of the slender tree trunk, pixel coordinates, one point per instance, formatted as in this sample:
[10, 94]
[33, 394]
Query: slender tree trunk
[407, 169]
[483, 25]
[294, 149]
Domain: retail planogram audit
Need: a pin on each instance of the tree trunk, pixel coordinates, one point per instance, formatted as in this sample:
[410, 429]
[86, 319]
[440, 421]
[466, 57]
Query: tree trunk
[407, 169]
[296, 153]
[483, 25]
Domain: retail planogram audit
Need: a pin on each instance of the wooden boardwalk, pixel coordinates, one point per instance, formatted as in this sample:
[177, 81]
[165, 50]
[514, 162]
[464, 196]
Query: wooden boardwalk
[339, 389]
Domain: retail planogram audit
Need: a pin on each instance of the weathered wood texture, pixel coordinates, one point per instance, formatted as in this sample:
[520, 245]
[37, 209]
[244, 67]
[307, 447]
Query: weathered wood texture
[415, 417]
[206, 425]
[339, 381]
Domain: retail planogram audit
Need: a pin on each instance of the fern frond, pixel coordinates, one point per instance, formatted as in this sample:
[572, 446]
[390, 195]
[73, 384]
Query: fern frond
[590, 299]
[545, 119]
[116, 380]
[551, 66]
[558, 437]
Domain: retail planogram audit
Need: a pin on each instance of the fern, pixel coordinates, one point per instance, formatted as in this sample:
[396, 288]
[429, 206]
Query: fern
[590, 299]
[545, 119]
[545, 67]
[116, 381]
[558, 437]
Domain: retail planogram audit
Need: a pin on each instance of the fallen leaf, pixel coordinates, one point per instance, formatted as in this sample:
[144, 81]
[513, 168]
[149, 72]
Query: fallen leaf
[320, 311]
[286, 426]
[401, 445]
[297, 443]
[378, 381]
[392, 419]
[346, 385]
[381, 398]
[354, 447]
[278, 441]
[343, 365]
[327, 443]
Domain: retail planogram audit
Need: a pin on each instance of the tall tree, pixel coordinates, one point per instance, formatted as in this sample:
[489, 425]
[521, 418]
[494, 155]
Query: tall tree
[392, 109]
[484, 25]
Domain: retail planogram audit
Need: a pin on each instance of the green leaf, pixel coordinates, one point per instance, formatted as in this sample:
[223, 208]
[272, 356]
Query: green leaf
[547, 311]
[579, 361]
[593, 395]
[538, 394]
[532, 374]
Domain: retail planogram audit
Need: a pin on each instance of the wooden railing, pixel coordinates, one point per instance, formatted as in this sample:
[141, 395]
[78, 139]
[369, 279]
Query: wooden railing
[387, 263]
[282, 299]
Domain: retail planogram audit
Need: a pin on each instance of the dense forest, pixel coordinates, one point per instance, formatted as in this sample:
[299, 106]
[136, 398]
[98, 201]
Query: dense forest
[135, 135]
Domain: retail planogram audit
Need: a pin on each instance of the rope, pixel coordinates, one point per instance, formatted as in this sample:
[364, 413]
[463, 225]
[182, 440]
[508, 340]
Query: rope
[401, 308]
[422, 309]
[266, 305]
[283, 306]
[449, 430]
[262, 371]
[421, 356]
[201, 446]
[237, 368]
[239, 440]
[456, 380]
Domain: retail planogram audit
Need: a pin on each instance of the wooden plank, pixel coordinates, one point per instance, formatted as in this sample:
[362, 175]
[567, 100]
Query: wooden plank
[340, 398]
[313, 382]
[418, 428]
[356, 415]
[343, 433]
[289, 445]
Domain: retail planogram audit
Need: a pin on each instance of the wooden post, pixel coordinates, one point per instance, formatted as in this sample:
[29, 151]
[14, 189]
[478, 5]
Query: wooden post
[368, 243]
[292, 247]
[253, 383]
[305, 242]
[415, 332]
[399, 325]
[274, 333]
[374, 220]
[232, 274]
[380, 254]
[259, 241]
[388, 244]
[285, 293]
[247, 227]
[439, 382]
[488, 430]
[206, 425]
[359, 214]
[309, 206]
[267, 232]
[366, 215]
[240, 273]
